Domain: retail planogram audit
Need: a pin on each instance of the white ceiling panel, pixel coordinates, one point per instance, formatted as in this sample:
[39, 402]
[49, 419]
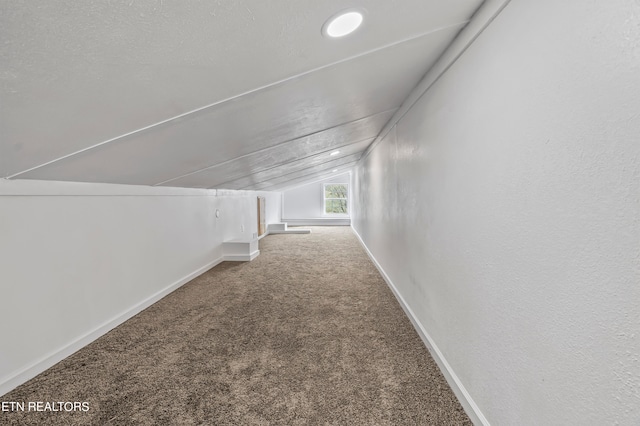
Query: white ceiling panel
[347, 154]
[355, 132]
[146, 91]
[291, 181]
[330, 97]
[309, 172]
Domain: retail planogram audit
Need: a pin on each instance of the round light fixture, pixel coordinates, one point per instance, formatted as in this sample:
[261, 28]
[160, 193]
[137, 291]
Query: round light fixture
[342, 24]
[334, 170]
[334, 153]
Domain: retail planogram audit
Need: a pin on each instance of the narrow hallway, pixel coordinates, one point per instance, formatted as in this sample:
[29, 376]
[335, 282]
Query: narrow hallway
[307, 333]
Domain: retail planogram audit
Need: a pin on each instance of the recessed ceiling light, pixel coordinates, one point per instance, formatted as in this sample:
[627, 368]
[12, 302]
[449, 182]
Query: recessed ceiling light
[342, 24]
[334, 153]
[334, 170]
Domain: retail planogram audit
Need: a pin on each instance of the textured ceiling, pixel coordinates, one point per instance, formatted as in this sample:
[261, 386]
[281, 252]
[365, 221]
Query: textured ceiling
[210, 94]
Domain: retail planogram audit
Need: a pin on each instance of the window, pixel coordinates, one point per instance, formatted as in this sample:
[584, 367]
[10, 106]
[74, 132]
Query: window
[335, 198]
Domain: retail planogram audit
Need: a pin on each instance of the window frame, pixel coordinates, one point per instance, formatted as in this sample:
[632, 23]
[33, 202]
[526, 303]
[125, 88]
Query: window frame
[324, 199]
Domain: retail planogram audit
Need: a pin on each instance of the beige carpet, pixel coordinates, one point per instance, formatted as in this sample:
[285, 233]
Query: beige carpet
[308, 333]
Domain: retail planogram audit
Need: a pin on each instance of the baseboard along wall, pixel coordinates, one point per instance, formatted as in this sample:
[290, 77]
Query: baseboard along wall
[469, 405]
[318, 222]
[55, 357]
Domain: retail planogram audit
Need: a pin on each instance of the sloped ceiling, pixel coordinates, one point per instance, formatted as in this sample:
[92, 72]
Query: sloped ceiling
[206, 94]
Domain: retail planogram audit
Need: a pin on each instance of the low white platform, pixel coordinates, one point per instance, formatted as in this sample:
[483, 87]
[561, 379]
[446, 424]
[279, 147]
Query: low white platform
[320, 221]
[240, 250]
[282, 228]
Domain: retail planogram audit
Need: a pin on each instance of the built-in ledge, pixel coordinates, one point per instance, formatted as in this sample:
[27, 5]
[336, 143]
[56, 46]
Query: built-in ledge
[282, 228]
[240, 250]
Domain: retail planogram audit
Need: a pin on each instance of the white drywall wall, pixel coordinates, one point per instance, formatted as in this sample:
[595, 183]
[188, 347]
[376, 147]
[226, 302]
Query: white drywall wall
[306, 202]
[77, 259]
[273, 207]
[505, 209]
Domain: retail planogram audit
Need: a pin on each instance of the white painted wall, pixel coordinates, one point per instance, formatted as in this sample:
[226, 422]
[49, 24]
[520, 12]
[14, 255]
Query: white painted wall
[305, 204]
[78, 259]
[273, 207]
[505, 209]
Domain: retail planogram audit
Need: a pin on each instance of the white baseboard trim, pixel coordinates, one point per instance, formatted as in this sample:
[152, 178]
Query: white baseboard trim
[469, 405]
[56, 356]
[241, 257]
[319, 222]
[291, 231]
[288, 231]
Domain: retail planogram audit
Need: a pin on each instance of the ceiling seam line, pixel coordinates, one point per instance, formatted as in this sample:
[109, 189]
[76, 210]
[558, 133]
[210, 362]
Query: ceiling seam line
[295, 171]
[283, 185]
[297, 159]
[301, 177]
[279, 144]
[385, 131]
[276, 83]
[321, 177]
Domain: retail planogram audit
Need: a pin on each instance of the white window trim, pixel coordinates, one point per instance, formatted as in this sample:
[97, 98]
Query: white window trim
[324, 199]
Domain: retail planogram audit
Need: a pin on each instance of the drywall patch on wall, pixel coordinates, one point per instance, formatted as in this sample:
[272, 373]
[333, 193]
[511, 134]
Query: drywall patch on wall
[78, 259]
[517, 180]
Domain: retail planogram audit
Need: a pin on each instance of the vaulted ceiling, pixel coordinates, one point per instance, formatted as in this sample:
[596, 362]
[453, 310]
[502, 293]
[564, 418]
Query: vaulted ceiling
[244, 94]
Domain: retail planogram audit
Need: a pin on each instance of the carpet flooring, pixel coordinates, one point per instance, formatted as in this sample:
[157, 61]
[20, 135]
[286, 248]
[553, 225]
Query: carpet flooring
[306, 334]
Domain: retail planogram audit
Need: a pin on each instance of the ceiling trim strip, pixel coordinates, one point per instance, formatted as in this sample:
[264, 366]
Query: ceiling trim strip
[279, 144]
[320, 178]
[335, 160]
[297, 159]
[217, 103]
[483, 17]
[310, 176]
